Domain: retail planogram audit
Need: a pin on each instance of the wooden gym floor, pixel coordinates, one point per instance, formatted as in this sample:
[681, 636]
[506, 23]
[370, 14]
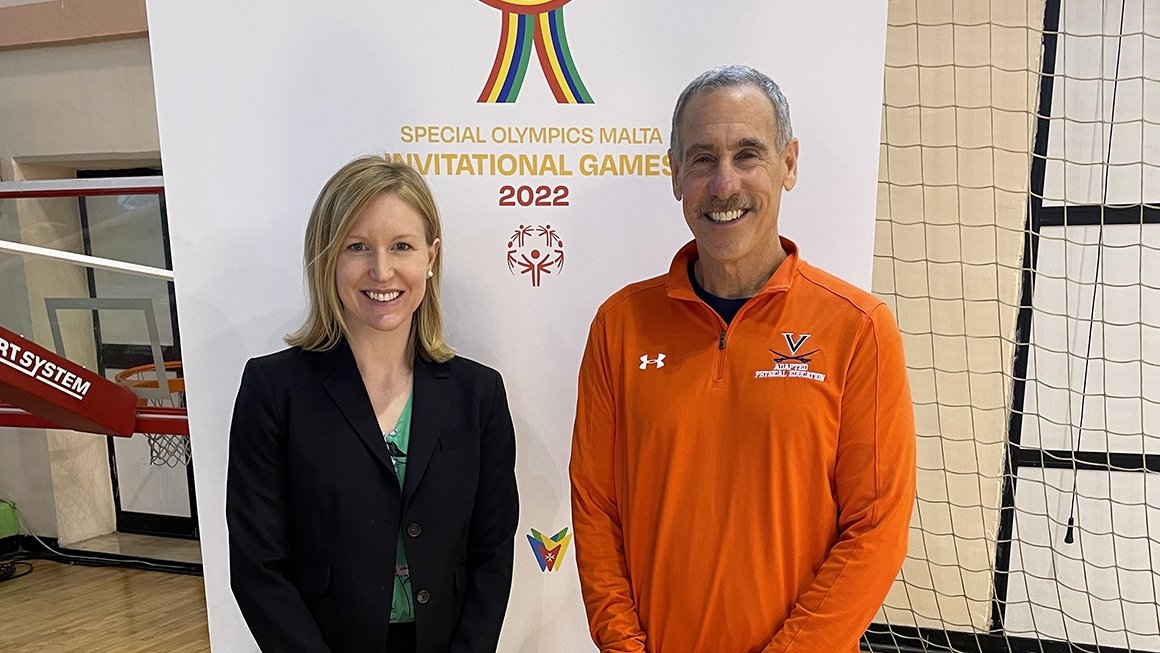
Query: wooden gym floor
[61, 608]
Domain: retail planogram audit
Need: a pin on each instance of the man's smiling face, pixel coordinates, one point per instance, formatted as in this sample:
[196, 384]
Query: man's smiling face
[730, 176]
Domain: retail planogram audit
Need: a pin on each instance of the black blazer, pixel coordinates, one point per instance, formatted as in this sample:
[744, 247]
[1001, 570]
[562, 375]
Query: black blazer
[314, 507]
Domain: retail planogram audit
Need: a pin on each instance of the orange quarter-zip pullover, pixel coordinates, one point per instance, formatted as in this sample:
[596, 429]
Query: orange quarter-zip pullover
[743, 488]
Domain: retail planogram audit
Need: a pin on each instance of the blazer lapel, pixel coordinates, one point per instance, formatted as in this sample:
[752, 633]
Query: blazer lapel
[428, 413]
[346, 389]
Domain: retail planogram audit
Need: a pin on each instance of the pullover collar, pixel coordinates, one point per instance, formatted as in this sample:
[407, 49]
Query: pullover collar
[678, 286]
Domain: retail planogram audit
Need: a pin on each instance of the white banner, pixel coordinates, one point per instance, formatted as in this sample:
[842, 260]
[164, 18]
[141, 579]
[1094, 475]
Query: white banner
[544, 140]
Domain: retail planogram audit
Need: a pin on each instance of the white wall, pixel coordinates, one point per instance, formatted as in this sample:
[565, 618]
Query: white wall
[1093, 364]
[1106, 106]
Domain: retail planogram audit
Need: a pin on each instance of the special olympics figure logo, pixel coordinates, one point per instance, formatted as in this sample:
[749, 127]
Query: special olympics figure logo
[536, 251]
[525, 22]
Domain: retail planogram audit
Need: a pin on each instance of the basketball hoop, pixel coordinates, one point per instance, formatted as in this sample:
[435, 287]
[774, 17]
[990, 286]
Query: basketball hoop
[164, 450]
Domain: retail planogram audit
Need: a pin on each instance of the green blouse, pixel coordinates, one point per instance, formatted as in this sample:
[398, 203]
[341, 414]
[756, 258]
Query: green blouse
[402, 604]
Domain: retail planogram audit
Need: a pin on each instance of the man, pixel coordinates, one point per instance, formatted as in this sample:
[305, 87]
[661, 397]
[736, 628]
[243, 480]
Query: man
[743, 454]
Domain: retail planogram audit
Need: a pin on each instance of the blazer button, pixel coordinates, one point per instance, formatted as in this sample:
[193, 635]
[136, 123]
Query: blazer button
[414, 530]
[423, 597]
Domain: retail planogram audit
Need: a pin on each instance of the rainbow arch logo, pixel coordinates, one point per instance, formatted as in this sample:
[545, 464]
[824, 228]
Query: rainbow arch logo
[529, 24]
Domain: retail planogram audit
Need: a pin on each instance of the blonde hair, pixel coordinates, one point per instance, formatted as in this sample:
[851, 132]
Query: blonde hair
[334, 212]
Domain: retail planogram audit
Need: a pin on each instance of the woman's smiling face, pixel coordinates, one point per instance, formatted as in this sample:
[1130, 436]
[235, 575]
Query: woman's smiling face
[382, 268]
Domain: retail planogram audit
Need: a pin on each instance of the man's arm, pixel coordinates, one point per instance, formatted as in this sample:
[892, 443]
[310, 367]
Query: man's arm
[874, 483]
[604, 581]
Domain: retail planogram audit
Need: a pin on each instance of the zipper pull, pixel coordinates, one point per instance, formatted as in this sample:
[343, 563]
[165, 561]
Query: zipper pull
[721, 341]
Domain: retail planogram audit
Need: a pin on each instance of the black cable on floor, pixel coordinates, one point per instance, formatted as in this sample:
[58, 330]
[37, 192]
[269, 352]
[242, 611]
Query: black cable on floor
[91, 559]
[11, 570]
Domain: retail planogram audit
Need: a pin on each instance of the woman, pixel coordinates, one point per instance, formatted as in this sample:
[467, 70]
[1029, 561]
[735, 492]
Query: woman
[371, 494]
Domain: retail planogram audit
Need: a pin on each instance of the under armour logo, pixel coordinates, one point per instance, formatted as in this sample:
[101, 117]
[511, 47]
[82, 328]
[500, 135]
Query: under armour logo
[645, 361]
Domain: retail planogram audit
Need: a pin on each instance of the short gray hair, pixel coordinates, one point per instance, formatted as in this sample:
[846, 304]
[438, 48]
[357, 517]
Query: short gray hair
[727, 77]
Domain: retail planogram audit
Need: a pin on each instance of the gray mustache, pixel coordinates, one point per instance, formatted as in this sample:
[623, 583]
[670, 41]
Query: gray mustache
[720, 206]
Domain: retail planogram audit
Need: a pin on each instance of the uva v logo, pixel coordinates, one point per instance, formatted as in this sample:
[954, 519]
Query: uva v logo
[794, 342]
[795, 364]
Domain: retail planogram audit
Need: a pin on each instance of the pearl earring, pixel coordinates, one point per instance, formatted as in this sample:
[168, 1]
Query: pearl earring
[430, 274]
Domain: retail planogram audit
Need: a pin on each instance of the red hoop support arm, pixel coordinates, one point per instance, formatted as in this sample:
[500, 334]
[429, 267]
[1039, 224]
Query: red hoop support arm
[61, 392]
[150, 419]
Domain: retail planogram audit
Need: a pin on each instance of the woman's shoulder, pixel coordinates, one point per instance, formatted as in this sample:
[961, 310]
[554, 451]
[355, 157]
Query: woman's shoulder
[281, 357]
[283, 361]
[465, 368]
